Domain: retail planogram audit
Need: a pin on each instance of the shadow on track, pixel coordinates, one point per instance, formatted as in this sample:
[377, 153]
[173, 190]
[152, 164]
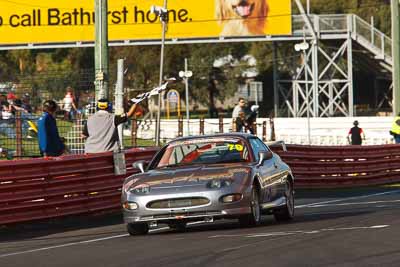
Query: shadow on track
[268, 221]
[23, 231]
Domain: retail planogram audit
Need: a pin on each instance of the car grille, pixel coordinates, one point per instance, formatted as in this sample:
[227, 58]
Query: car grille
[178, 203]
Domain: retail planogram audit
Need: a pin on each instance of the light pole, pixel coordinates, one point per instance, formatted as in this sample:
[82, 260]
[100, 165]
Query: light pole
[161, 12]
[101, 49]
[396, 55]
[186, 75]
[303, 47]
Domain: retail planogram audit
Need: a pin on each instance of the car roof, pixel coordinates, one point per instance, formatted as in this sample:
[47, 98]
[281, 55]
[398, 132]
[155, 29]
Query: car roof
[233, 134]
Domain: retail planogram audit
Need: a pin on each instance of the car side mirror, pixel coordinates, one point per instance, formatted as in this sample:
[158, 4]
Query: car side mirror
[263, 156]
[140, 164]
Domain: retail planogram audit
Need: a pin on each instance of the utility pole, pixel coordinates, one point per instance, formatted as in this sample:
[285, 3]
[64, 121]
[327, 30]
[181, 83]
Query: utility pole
[186, 74]
[396, 56]
[162, 12]
[119, 98]
[101, 49]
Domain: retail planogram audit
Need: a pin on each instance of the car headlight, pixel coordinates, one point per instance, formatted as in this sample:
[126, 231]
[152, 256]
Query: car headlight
[219, 183]
[231, 198]
[140, 189]
[130, 206]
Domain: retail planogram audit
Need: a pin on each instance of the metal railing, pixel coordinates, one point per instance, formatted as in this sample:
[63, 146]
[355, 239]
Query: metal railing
[363, 32]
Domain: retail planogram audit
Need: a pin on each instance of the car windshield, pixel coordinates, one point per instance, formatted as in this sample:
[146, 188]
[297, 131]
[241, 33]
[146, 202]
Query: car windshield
[204, 151]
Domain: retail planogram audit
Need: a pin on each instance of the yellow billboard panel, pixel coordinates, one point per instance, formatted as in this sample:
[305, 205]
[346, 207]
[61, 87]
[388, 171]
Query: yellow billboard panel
[49, 21]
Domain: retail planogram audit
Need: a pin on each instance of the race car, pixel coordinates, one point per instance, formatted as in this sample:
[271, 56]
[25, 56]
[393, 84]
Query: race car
[206, 178]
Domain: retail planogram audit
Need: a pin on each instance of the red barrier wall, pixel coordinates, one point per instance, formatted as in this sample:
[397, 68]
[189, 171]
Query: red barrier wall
[344, 166]
[48, 188]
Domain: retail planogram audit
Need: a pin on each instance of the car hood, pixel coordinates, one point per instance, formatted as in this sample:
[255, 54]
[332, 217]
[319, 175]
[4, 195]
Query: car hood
[190, 175]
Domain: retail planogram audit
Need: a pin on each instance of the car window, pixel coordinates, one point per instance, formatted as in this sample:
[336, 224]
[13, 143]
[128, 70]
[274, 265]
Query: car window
[204, 151]
[257, 145]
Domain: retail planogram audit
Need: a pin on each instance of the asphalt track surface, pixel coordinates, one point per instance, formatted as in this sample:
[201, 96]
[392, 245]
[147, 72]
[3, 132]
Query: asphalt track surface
[357, 227]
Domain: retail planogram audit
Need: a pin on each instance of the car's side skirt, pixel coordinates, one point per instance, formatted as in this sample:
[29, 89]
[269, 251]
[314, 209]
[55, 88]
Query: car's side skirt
[274, 204]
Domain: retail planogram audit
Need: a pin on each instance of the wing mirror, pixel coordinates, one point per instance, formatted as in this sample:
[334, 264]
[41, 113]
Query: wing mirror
[140, 164]
[263, 156]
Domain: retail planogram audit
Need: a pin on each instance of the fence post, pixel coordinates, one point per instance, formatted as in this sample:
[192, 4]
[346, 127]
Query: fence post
[201, 130]
[234, 125]
[18, 134]
[271, 121]
[264, 131]
[221, 123]
[180, 126]
[134, 132]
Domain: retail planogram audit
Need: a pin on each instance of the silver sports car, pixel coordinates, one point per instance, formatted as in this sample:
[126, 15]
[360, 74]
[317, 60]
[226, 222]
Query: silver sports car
[205, 178]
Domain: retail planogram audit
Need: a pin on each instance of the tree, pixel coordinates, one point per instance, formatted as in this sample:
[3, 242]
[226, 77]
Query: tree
[215, 73]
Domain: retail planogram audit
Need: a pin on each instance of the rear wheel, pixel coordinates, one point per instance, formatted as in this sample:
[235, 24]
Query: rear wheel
[287, 212]
[254, 218]
[137, 228]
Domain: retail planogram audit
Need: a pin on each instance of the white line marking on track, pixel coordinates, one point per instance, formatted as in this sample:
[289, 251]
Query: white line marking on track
[302, 232]
[352, 203]
[348, 198]
[83, 242]
[63, 245]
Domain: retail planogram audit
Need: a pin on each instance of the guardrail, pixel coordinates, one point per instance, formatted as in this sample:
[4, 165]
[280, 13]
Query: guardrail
[49, 188]
[345, 166]
[70, 185]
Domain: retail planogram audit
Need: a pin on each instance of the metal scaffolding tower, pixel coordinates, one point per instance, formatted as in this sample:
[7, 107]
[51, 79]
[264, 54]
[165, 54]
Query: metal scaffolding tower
[323, 84]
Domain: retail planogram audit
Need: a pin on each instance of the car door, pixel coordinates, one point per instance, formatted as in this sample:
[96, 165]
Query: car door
[268, 172]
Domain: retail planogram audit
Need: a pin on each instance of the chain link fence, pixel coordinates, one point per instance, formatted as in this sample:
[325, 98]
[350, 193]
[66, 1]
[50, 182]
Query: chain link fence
[21, 107]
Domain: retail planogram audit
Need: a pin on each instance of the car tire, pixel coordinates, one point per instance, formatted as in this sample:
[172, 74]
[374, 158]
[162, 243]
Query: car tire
[286, 213]
[254, 218]
[178, 226]
[137, 228]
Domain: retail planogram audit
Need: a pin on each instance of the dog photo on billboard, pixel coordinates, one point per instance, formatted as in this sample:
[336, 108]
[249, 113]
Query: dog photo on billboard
[241, 17]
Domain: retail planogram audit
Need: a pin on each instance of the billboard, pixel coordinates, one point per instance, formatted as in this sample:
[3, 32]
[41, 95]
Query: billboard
[49, 21]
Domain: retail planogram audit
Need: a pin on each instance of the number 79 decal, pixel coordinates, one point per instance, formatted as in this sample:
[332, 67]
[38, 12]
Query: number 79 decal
[237, 147]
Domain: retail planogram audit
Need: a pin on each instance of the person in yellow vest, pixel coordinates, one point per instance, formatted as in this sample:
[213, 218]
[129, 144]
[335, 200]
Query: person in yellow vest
[395, 131]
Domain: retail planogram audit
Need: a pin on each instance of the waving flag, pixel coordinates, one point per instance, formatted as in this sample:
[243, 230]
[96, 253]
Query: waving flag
[154, 91]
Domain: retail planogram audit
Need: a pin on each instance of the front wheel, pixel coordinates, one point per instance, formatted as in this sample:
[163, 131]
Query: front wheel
[287, 212]
[137, 228]
[254, 218]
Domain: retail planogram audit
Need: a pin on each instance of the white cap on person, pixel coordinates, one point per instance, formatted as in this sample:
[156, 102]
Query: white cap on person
[254, 108]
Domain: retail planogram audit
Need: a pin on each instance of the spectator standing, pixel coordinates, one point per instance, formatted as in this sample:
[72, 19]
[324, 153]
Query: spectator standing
[240, 122]
[3, 105]
[26, 103]
[69, 106]
[11, 98]
[6, 111]
[50, 143]
[101, 131]
[395, 131]
[356, 134]
[3, 101]
[252, 118]
[240, 107]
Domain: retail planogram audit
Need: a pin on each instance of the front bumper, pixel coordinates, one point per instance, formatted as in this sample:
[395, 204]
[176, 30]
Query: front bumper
[215, 209]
